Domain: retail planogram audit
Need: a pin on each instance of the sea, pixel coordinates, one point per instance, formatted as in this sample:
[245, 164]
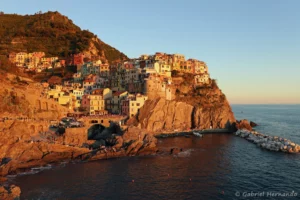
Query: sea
[217, 166]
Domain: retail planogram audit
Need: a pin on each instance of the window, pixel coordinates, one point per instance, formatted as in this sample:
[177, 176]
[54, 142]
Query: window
[138, 104]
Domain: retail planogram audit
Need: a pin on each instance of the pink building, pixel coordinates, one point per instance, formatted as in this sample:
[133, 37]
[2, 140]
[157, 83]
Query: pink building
[85, 102]
[78, 59]
[125, 107]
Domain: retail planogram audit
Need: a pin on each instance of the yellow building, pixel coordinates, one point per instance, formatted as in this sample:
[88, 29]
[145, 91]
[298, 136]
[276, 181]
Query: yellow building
[178, 57]
[114, 104]
[21, 58]
[176, 66]
[165, 70]
[104, 69]
[201, 68]
[95, 102]
[65, 100]
[136, 103]
[54, 94]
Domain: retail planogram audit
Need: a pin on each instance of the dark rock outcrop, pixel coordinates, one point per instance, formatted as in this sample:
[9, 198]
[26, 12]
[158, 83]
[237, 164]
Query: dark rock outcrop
[243, 124]
[253, 124]
[100, 132]
[175, 151]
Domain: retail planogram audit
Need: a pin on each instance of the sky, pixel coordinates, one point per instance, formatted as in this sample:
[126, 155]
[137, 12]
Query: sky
[252, 47]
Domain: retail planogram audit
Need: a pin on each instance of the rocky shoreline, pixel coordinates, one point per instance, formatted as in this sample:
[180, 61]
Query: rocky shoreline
[272, 143]
[20, 154]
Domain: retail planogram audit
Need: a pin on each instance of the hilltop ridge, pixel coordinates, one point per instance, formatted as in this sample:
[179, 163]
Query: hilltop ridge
[54, 34]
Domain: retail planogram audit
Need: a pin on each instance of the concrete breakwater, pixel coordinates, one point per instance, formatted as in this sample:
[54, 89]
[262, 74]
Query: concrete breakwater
[272, 143]
[190, 132]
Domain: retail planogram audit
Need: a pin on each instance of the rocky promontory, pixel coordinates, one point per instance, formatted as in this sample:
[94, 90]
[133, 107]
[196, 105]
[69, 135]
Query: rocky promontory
[196, 108]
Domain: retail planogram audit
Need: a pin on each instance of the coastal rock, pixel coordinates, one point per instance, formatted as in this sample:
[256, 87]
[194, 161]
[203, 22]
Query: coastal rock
[119, 142]
[253, 124]
[175, 151]
[10, 193]
[163, 115]
[139, 142]
[243, 124]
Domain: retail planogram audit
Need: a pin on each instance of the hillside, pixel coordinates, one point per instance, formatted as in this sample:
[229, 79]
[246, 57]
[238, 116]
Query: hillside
[52, 33]
[21, 97]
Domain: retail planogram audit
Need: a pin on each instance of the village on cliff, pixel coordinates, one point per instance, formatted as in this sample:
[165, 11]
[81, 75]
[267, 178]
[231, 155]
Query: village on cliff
[121, 88]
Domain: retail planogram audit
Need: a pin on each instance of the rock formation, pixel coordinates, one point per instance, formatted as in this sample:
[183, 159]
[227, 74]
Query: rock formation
[19, 152]
[162, 115]
[253, 124]
[243, 124]
[10, 193]
[192, 108]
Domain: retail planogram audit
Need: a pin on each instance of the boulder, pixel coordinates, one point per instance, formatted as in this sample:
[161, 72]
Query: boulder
[253, 124]
[98, 143]
[10, 193]
[243, 124]
[119, 142]
[175, 151]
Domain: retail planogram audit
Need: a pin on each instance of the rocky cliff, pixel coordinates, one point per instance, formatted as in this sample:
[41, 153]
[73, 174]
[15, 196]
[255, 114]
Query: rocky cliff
[21, 97]
[197, 108]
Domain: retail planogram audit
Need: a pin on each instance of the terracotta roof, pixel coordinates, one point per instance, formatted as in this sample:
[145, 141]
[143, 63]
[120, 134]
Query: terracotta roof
[98, 92]
[89, 80]
[117, 93]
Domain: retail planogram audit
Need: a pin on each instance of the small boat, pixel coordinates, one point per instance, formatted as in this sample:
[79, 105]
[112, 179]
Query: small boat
[197, 134]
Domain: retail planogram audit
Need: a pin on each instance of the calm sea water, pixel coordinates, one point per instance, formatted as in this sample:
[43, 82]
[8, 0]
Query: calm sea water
[218, 166]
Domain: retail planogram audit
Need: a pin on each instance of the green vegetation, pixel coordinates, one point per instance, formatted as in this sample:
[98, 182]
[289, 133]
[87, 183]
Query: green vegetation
[52, 33]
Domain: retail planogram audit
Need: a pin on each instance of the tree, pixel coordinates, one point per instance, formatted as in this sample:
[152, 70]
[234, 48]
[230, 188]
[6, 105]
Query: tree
[53, 80]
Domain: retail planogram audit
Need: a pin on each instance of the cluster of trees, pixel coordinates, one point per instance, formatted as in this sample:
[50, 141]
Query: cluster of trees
[51, 33]
[53, 80]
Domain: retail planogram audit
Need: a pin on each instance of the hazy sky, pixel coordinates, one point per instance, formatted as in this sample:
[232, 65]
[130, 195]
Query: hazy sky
[252, 47]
